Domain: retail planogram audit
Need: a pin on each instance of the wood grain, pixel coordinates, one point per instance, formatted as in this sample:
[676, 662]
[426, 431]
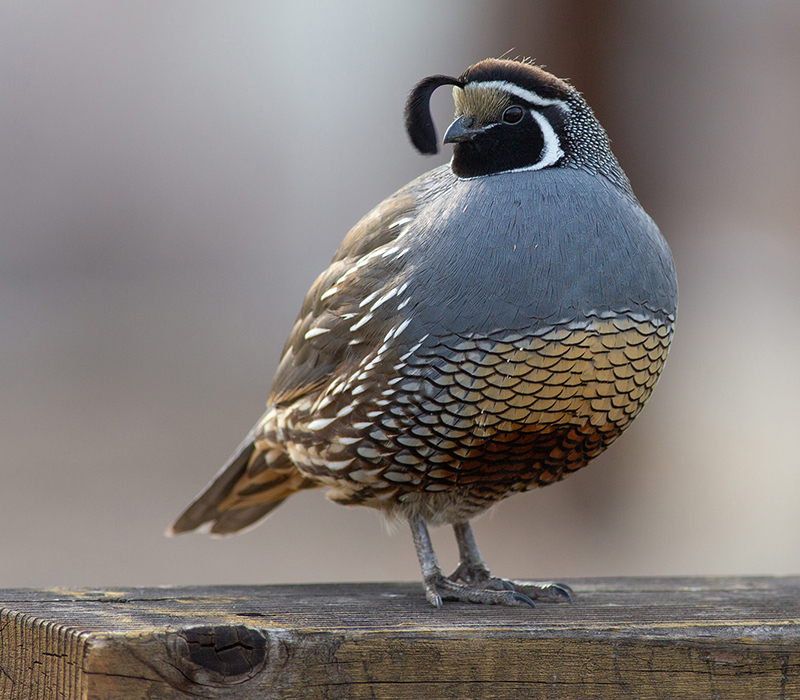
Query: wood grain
[665, 638]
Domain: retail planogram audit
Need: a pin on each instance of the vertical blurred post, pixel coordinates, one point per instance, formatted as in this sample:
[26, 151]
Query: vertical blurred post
[572, 38]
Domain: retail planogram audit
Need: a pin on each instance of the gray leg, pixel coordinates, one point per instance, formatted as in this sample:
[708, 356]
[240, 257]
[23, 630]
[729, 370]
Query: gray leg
[439, 588]
[471, 570]
[431, 572]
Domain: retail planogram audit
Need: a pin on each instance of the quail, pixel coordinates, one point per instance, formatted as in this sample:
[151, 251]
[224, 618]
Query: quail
[486, 330]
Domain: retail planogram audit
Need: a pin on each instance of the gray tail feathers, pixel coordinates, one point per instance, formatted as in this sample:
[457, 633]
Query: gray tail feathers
[243, 491]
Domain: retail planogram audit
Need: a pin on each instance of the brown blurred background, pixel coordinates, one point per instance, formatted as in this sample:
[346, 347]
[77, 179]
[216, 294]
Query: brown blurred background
[173, 175]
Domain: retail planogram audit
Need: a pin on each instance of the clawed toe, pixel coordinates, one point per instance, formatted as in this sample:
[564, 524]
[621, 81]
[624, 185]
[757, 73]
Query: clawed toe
[547, 591]
[493, 591]
[463, 585]
[479, 578]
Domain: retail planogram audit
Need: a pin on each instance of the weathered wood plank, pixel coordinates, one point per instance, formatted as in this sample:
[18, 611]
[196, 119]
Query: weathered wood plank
[623, 638]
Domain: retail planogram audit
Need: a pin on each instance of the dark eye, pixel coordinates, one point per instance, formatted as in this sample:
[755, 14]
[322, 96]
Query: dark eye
[513, 114]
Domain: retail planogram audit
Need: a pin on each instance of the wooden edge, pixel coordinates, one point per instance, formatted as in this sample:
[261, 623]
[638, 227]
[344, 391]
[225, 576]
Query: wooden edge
[643, 638]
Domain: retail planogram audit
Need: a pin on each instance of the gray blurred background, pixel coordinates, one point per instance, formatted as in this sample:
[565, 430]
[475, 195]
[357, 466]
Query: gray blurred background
[173, 176]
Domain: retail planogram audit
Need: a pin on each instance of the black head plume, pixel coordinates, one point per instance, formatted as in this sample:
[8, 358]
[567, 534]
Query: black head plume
[419, 123]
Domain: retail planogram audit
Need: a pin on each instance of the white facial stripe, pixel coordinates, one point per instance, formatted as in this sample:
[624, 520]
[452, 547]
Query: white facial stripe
[517, 91]
[552, 151]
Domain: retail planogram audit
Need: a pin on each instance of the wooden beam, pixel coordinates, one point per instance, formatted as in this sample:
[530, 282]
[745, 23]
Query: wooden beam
[623, 638]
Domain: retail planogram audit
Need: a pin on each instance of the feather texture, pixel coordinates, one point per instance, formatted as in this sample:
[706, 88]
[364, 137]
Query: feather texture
[489, 328]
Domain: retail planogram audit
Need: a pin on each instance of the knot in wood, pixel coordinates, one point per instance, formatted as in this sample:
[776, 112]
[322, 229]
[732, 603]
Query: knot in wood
[218, 655]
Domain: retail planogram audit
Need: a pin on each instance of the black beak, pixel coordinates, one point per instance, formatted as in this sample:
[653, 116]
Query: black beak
[461, 129]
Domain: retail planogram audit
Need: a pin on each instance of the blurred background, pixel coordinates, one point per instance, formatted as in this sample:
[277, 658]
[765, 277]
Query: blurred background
[174, 175]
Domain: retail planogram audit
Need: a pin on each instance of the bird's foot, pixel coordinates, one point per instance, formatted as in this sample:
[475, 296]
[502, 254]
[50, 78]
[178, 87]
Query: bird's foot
[493, 591]
[472, 582]
[479, 582]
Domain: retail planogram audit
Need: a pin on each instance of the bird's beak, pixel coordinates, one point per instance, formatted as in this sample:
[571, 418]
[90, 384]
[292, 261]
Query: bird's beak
[461, 129]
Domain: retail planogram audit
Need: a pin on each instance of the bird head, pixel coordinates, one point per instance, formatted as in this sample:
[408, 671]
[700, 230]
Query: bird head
[510, 116]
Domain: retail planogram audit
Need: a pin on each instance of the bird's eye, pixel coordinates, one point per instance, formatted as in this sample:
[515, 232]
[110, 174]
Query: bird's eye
[513, 114]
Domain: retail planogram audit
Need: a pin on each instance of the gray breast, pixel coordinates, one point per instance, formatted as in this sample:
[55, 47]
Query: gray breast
[513, 250]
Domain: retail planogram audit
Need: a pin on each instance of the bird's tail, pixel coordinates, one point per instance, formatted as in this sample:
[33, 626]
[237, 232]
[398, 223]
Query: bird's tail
[256, 479]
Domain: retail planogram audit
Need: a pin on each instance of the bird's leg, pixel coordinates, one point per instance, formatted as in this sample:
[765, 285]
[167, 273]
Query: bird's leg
[439, 588]
[431, 573]
[471, 570]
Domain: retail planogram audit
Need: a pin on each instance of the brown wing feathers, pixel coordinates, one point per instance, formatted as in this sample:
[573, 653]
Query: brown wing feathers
[244, 491]
[247, 487]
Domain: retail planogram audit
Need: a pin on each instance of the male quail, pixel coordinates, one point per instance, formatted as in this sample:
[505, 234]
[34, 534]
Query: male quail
[486, 330]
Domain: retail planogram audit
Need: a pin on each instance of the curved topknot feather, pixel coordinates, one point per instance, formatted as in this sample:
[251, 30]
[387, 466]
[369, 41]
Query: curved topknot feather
[419, 123]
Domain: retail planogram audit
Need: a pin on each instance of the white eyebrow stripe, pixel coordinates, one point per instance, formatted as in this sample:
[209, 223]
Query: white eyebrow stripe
[517, 91]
